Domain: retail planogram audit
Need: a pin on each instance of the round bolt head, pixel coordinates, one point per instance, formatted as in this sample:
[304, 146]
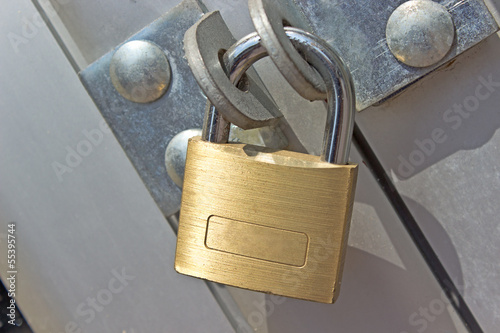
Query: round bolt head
[140, 71]
[175, 154]
[420, 33]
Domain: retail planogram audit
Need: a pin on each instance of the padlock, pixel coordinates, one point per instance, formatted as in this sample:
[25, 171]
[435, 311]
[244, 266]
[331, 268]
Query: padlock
[273, 221]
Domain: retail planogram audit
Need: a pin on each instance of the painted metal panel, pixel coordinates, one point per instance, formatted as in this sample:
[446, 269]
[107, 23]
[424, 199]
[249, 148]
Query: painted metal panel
[94, 251]
[440, 143]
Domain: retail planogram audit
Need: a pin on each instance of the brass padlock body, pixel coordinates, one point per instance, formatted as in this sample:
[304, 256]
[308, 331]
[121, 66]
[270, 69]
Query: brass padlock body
[270, 221]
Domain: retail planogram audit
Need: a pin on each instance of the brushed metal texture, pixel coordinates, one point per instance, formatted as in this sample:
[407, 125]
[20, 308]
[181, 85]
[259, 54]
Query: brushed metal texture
[274, 189]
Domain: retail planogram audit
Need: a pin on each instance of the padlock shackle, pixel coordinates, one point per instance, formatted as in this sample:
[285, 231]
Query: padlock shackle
[340, 93]
[338, 81]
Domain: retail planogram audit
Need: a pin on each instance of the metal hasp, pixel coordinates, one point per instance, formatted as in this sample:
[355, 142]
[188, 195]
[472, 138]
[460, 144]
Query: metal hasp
[203, 43]
[356, 30]
[269, 18]
[144, 129]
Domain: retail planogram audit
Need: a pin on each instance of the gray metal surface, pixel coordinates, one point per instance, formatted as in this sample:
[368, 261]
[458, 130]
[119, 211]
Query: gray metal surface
[94, 251]
[356, 30]
[144, 130]
[440, 142]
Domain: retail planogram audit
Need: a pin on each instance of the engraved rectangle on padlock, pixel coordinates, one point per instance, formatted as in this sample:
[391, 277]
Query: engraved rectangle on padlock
[271, 221]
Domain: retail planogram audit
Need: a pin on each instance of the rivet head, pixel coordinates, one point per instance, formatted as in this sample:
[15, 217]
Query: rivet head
[175, 154]
[420, 33]
[140, 71]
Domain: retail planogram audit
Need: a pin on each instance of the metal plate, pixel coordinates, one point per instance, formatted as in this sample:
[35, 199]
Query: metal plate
[356, 29]
[249, 108]
[144, 130]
